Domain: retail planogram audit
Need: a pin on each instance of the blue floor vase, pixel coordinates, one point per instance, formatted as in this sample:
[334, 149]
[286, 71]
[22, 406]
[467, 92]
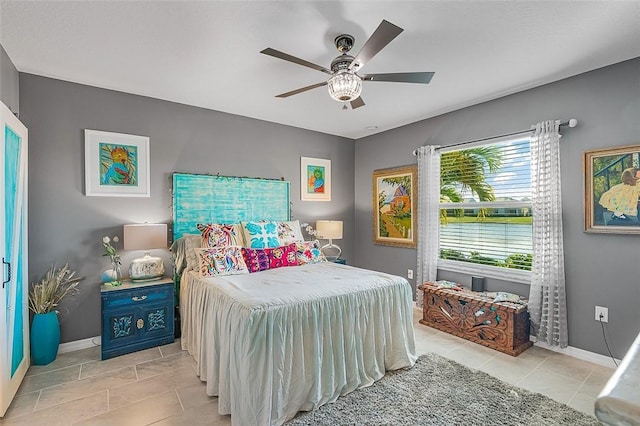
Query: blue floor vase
[45, 338]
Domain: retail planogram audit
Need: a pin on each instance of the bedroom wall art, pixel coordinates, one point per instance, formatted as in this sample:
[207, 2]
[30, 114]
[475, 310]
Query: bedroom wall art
[315, 179]
[116, 164]
[612, 189]
[394, 205]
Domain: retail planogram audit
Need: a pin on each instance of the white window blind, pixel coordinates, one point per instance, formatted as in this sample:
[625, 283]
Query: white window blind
[485, 206]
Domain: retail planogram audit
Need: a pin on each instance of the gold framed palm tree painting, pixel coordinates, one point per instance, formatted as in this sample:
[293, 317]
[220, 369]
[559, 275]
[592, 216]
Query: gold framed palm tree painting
[394, 206]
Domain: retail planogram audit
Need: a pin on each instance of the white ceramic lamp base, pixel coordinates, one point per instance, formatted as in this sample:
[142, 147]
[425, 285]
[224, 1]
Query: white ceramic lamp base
[146, 268]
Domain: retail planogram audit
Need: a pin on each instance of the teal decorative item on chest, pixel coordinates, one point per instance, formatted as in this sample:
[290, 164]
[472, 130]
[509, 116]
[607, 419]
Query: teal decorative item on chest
[137, 316]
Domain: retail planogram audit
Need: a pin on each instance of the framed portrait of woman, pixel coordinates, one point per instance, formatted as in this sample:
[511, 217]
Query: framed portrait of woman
[612, 190]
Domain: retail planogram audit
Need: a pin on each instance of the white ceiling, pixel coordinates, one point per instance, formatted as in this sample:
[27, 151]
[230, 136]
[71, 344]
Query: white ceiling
[206, 53]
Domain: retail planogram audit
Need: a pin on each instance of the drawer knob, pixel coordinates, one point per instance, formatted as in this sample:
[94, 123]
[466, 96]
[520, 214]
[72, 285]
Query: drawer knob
[138, 299]
[140, 323]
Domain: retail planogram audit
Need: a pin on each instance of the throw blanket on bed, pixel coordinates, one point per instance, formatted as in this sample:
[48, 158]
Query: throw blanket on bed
[272, 343]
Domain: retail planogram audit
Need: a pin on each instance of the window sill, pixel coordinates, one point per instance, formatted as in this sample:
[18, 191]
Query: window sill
[514, 275]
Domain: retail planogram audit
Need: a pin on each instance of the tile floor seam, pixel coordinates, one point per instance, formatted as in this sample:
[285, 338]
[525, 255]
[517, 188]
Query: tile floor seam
[179, 399]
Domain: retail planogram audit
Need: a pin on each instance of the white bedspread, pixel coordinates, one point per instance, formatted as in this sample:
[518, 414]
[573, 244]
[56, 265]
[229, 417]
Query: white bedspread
[276, 342]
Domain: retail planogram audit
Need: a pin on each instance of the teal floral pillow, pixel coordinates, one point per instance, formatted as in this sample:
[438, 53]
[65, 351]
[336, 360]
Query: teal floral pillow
[261, 234]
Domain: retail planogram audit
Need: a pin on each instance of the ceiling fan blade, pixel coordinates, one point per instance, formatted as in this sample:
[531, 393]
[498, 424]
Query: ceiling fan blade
[382, 36]
[401, 77]
[281, 55]
[357, 103]
[300, 90]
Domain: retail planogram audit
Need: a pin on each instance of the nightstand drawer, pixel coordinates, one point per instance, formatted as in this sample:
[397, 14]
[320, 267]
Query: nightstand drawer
[117, 299]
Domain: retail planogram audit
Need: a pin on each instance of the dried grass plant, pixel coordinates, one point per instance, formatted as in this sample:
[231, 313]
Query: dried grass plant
[45, 296]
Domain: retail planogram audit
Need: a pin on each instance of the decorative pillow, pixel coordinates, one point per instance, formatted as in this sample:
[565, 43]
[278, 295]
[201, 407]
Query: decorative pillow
[219, 235]
[502, 296]
[309, 252]
[215, 261]
[191, 244]
[289, 232]
[261, 234]
[282, 256]
[256, 259]
[181, 253]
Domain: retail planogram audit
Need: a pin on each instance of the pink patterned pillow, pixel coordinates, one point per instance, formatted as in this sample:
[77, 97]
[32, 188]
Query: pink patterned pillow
[270, 258]
[283, 256]
[219, 235]
[256, 259]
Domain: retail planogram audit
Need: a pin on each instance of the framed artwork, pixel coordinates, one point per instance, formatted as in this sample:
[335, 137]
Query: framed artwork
[116, 164]
[315, 179]
[612, 189]
[394, 206]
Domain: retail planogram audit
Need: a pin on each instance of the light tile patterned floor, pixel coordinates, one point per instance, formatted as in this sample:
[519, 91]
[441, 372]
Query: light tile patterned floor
[158, 386]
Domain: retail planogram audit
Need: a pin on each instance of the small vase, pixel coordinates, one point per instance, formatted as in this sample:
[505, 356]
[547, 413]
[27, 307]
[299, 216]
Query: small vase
[45, 338]
[114, 274]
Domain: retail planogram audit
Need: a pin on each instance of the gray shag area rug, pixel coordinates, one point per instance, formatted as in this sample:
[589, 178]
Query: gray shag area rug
[438, 391]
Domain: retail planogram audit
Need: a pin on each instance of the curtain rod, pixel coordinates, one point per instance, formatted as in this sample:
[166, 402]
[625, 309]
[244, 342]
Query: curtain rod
[571, 123]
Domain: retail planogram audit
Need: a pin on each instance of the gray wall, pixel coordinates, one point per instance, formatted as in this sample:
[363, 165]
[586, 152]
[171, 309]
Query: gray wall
[66, 226]
[9, 94]
[600, 269]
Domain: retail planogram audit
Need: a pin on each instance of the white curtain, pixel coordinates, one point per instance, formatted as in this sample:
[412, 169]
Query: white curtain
[428, 215]
[547, 297]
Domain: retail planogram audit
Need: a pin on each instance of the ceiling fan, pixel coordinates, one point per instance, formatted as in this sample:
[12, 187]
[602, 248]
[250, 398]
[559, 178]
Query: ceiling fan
[345, 84]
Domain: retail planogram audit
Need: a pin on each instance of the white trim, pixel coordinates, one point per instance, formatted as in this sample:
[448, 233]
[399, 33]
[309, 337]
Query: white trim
[477, 269]
[76, 345]
[579, 353]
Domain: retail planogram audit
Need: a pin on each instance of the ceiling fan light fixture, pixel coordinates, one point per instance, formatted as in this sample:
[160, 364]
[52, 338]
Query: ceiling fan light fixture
[344, 86]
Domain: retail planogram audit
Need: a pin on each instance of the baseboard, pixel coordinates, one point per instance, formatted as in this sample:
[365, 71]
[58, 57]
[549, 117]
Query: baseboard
[579, 353]
[76, 345]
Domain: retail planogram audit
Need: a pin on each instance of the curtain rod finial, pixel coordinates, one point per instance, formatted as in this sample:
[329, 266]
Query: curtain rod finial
[415, 152]
[573, 122]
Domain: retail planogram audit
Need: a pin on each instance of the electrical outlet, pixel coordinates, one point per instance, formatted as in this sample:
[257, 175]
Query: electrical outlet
[410, 274]
[602, 314]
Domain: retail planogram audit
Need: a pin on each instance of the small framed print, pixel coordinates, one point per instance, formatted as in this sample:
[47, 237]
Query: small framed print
[315, 179]
[116, 164]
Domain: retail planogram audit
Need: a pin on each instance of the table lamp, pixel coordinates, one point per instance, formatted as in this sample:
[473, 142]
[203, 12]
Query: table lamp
[145, 236]
[330, 230]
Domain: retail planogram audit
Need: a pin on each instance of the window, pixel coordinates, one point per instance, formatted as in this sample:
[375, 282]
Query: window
[485, 209]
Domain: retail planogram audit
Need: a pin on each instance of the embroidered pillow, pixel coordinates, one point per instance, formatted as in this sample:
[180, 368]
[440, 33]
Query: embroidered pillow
[256, 259]
[261, 234]
[289, 232]
[216, 261]
[283, 256]
[219, 235]
[309, 252]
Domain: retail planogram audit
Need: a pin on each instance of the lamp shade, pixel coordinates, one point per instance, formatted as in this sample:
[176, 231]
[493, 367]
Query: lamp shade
[329, 229]
[145, 236]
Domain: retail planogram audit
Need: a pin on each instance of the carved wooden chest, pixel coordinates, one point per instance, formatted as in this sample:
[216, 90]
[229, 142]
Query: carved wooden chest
[503, 326]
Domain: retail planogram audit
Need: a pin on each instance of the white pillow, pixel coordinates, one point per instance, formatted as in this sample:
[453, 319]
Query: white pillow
[261, 234]
[289, 232]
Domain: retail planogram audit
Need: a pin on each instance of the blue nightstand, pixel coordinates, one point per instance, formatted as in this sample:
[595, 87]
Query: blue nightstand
[137, 316]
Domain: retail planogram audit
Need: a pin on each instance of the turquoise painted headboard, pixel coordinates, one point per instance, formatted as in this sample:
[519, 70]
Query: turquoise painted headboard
[225, 199]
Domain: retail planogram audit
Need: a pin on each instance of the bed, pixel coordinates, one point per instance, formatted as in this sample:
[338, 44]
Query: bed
[275, 342]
